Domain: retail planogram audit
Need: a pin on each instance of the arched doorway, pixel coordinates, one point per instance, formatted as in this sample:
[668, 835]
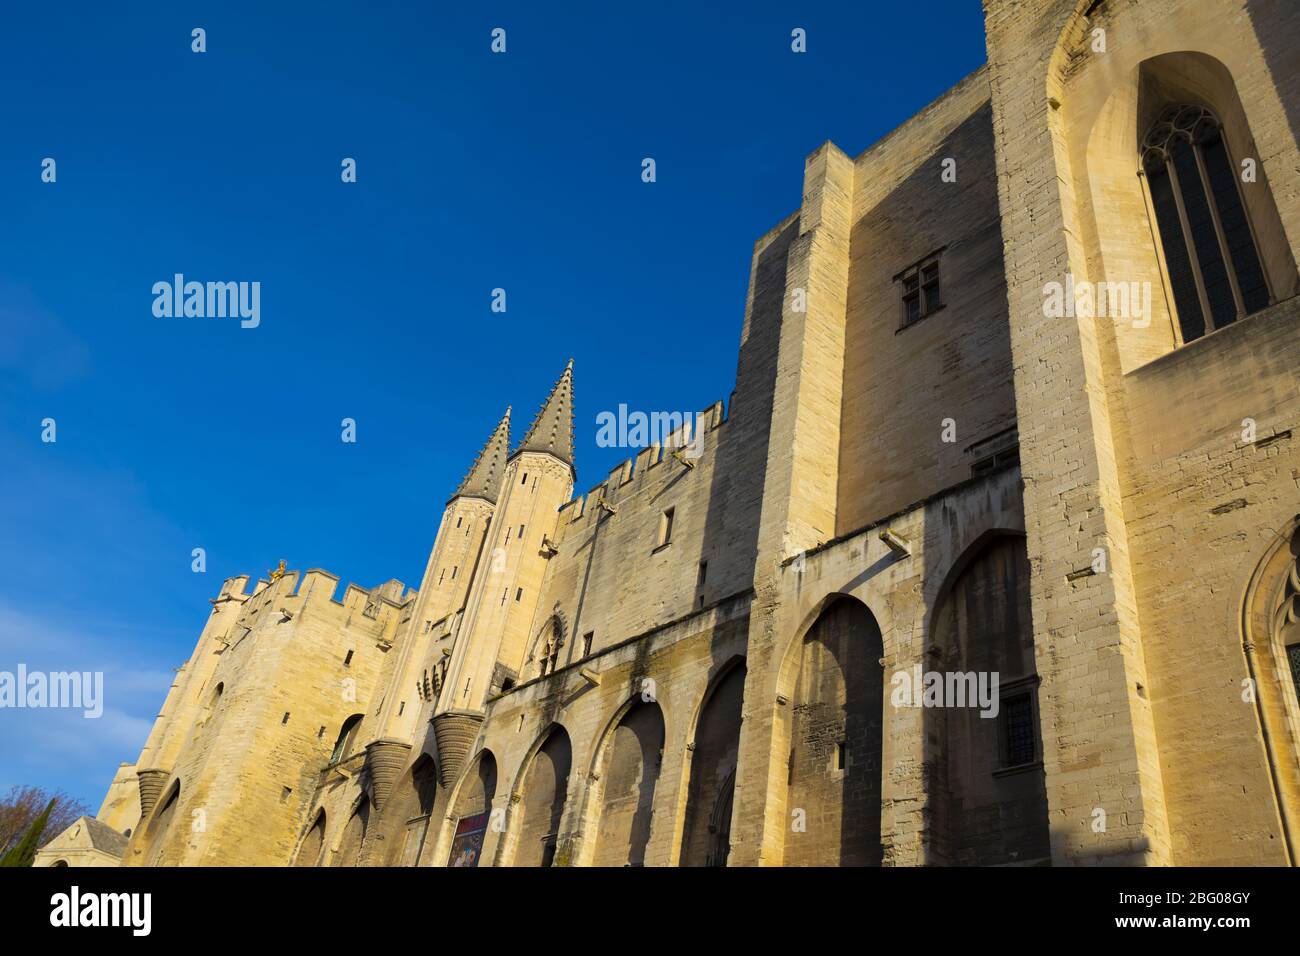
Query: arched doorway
[836, 741]
[706, 837]
[630, 764]
[988, 792]
[473, 811]
[542, 805]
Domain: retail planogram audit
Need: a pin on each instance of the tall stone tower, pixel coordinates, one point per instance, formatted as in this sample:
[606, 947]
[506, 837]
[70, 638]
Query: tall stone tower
[453, 563]
[503, 605]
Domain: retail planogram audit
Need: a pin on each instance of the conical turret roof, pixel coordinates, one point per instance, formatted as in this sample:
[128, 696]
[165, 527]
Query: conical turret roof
[552, 429]
[484, 478]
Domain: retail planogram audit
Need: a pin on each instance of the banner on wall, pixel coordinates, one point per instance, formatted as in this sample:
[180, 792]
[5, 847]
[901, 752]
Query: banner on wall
[467, 844]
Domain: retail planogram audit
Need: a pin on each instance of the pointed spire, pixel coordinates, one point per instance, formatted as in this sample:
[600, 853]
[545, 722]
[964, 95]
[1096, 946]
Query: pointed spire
[484, 478]
[552, 429]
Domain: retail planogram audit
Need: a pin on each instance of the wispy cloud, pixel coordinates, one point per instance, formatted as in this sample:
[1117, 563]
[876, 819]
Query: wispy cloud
[61, 748]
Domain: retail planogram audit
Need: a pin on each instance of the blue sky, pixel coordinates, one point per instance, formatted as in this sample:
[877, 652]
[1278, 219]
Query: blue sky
[475, 171]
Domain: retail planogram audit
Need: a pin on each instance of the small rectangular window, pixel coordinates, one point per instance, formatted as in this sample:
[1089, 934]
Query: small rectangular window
[919, 287]
[285, 719]
[704, 570]
[454, 569]
[1018, 730]
[839, 755]
[521, 532]
[525, 479]
[440, 575]
[666, 527]
[459, 520]
[519, 593]
[586, 643]
[347, 660]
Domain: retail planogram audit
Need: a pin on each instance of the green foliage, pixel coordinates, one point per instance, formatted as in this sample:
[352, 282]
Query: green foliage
[23, 852]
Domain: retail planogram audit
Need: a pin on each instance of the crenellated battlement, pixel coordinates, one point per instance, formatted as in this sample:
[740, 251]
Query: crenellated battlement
[381, 609]
[626, 479]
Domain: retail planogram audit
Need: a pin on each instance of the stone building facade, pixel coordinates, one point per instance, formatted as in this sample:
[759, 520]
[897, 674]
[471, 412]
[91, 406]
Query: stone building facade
[1015, 398]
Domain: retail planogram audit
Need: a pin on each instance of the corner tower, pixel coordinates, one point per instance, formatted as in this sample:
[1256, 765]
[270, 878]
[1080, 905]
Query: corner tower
[499, 617]
[453, 562]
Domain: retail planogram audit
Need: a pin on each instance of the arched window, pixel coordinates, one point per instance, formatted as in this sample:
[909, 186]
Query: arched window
[1210, 252]
[347, 736]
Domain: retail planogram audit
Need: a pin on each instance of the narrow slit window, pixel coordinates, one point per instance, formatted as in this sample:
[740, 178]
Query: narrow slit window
[1018, 730]
[666, 526]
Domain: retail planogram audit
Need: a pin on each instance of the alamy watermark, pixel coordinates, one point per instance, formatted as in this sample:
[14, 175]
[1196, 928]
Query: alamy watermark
[208, 300]
[624, 429]
[912, 688]
[73, 690]
[1088, 300]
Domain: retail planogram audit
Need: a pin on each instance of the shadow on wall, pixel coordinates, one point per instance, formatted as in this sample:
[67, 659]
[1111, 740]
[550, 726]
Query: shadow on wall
[541, 807]
[836, 741]
[985, 774]
[1276, 25]
[706, 838]
[740, 468]
[630, 770]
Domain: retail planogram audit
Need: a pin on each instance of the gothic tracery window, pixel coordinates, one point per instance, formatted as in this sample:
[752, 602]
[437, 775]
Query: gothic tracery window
[1286, 619]
[1210, 252]
[548, 648]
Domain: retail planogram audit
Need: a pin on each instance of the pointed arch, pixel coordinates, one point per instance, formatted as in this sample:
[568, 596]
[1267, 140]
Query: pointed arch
[471, 810]
[309, 852]
[406, 822]
[541, 795]
[1270, 628]
[833, 724]
[544, 655]
[627, 766]
[354, 835]
[714, 749]
[1172, 238]
[346, 740]
[985, 755]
